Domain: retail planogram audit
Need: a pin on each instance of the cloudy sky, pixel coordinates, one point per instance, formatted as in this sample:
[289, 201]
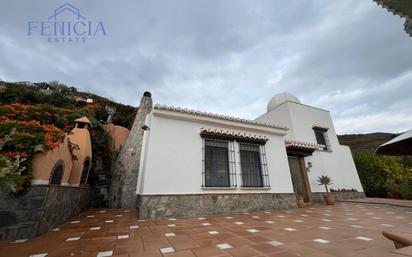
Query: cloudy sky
[348, 56]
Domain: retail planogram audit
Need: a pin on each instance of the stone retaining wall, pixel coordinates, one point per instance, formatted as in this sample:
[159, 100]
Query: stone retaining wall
[317, 197]
[163, 206]
[40, 209]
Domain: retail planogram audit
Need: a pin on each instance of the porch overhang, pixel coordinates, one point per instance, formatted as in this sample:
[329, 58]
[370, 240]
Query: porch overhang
[232, 134]
[299, 148]
[400, 145]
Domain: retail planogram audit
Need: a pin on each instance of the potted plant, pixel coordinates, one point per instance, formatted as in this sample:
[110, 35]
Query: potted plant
[299, 198]
[326, 181]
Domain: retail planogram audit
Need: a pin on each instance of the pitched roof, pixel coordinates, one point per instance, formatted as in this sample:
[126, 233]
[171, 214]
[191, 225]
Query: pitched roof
[233, 133]
[218, 116]
[303, 145]
[83, 119]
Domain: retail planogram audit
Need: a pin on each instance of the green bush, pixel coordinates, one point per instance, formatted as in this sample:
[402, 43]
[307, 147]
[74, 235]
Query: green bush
[383, 176]
[372, 176]
[11, 169]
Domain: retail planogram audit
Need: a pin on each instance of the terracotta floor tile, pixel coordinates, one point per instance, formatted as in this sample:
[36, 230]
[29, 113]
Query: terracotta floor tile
[283, 254]
[208, 252]
[319, 254]
[179, 238]
[156, 245]
[265, 248]
[184, 245]
[146, 254]
[238, 241]
[242, 251]
[207, 242]
[348, 221]
[185, 253]
[256, 239]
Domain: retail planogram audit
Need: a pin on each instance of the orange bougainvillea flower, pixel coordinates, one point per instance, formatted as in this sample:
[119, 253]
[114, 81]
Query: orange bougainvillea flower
[48, 137]
[16, 154]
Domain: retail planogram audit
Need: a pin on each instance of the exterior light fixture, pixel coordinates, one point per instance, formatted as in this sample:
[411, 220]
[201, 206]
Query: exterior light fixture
[309, 166]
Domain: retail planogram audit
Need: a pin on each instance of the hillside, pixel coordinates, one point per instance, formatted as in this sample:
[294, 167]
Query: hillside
[359, 142]
[62, 96]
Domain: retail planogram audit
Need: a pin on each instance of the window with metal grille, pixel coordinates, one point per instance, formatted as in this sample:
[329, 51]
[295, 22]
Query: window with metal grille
[253, 165]
[321, 138]
[218, 163]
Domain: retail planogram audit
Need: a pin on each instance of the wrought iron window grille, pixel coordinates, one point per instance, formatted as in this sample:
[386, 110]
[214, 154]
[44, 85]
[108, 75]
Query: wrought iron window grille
[218, 163]
[253, 163]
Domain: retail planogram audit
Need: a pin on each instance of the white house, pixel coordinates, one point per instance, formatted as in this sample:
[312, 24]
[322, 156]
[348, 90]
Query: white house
[311, 125]
[196, 163]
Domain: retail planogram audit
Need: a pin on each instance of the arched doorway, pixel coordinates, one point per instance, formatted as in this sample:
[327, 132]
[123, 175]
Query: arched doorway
[57, 174]
[85, 171]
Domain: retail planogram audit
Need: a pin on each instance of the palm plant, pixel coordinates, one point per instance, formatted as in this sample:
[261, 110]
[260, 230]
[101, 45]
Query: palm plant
[325, 181]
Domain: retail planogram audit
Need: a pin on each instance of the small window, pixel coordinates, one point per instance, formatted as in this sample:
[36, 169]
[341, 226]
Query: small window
[57, 175]
[218, 163]
[253, 165]
[321, 138]
[81, 125]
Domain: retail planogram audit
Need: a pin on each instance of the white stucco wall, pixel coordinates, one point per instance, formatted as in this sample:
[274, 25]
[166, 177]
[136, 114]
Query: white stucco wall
[172, 158]
[336, 163]
[280, 115]
[304, 117]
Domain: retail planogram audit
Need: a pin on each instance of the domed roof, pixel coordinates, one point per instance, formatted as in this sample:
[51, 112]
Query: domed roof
[280, 99]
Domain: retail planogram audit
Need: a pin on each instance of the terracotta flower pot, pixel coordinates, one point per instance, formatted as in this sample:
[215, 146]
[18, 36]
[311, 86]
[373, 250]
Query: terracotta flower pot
[329, 199]
[299, 201]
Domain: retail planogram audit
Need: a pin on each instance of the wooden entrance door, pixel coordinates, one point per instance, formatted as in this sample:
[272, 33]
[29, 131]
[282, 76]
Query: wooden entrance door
[299, 177]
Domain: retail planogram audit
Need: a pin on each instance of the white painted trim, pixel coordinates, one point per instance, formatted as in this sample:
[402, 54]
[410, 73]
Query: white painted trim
[255, 188]
[143, 155]
[218, 188]
[39, 182]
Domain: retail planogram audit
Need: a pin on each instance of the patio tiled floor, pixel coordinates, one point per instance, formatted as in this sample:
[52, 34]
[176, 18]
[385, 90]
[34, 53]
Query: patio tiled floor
[346, 229]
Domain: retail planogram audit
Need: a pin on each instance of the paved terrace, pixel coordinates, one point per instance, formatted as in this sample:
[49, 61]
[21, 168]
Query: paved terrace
[396, 202]
[346, 229]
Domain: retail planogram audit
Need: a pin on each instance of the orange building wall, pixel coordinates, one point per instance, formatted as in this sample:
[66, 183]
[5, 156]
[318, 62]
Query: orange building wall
[80, 137]
[43, 164]
[119, 134]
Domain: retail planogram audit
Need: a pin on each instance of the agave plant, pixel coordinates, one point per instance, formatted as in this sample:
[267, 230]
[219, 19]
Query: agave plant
[325, 181]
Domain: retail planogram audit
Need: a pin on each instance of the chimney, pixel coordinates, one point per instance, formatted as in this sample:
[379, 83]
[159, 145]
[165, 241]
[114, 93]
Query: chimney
[124, 181]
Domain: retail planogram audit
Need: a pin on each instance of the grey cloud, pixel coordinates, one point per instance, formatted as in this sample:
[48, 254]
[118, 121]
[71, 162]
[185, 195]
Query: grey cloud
[230, 57]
